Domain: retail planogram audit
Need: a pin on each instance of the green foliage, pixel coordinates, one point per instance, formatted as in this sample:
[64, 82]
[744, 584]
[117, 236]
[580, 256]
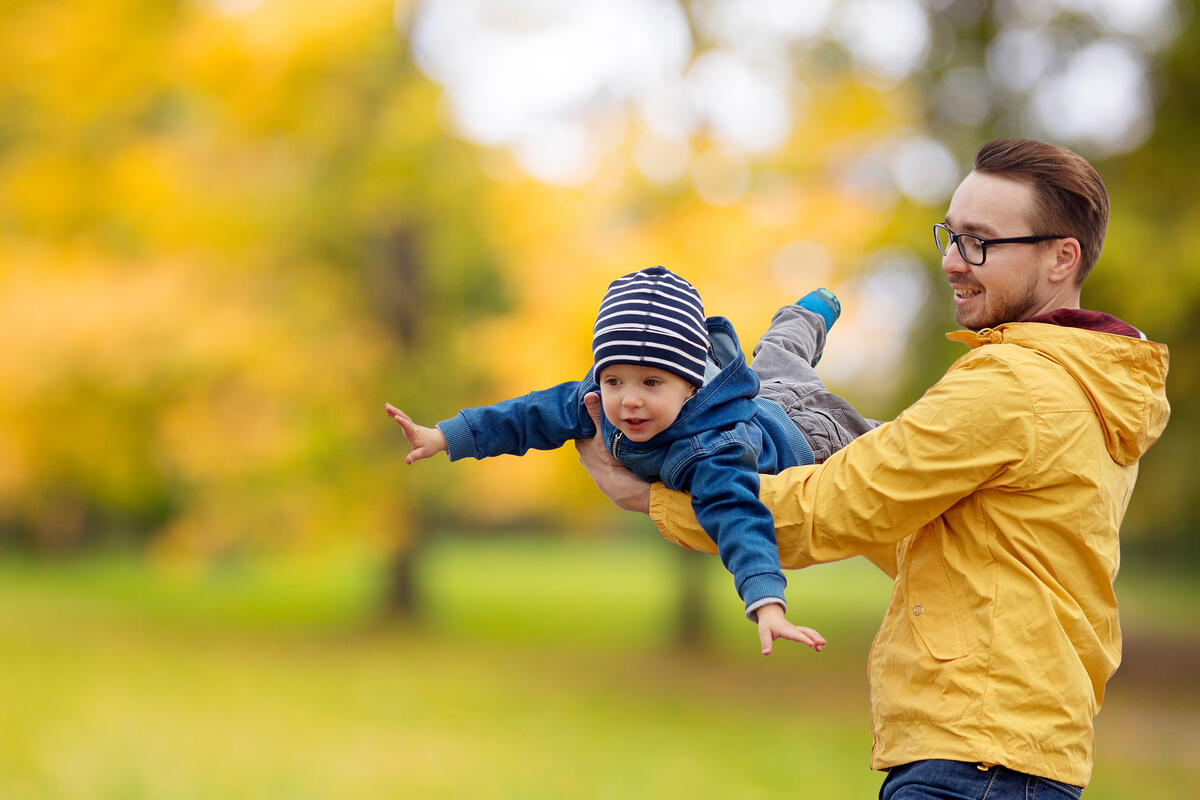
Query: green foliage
[226, 239]
[212, 261]
[1148, 274]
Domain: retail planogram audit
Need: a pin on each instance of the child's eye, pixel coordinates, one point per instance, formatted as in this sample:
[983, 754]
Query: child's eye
[653, 381]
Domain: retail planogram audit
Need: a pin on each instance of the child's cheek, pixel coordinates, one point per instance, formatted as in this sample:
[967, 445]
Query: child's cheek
[610, 402]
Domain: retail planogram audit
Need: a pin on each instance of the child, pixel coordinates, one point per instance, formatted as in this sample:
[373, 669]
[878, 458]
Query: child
[681, 406]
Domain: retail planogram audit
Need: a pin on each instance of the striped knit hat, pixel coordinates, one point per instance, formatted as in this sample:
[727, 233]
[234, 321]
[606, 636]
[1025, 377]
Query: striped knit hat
[652, 317]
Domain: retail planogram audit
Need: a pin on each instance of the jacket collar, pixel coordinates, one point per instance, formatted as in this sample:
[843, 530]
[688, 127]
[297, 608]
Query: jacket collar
[1123, 377]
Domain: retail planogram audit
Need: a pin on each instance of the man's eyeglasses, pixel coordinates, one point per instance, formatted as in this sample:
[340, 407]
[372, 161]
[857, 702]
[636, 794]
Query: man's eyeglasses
[972, 248]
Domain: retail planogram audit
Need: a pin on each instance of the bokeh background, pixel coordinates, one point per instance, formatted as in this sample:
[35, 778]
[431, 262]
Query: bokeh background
[230, 230]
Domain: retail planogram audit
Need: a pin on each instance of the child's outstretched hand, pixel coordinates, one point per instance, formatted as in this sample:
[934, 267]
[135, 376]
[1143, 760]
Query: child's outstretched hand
[773, 625]
[425, 442]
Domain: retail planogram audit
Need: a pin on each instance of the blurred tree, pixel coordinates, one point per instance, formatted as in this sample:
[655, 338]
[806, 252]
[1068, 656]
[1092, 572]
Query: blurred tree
[1149, 273]
[230, 230]
[220, 233]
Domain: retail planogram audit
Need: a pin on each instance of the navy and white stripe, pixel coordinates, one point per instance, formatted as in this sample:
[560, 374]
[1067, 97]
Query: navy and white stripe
[652, 317]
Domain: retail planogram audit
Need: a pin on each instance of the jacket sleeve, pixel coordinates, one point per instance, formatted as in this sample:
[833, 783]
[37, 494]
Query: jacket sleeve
[974, 428]
[542, 420]
[724, 499]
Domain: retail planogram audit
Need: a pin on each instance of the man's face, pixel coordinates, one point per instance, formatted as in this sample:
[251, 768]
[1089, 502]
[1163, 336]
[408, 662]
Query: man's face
[641, 401]
[1011, 284]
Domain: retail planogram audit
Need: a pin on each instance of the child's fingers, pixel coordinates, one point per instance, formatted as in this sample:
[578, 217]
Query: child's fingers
[803, 635]
[397, 414]
[410, 428]
[814, 638]
[412, 432]
[765, 637]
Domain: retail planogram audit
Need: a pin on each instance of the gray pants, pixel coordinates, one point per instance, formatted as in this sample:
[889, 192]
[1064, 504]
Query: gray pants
[783, 361]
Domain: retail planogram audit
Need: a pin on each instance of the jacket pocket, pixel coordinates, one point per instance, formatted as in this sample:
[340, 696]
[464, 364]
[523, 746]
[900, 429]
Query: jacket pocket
[934, 607]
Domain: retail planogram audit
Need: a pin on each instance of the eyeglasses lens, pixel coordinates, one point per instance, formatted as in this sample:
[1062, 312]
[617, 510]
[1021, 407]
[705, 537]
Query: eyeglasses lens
[971, 249]
[942, 237]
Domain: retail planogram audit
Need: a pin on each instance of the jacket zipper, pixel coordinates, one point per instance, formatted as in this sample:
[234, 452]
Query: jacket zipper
[612, 444]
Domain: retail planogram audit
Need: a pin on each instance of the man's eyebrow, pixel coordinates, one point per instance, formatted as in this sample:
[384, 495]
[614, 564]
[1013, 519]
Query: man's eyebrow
[972, 227]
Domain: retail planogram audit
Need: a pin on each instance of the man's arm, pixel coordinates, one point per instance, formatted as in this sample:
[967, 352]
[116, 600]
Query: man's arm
[673, 514]
[968, 431]
[631, 493]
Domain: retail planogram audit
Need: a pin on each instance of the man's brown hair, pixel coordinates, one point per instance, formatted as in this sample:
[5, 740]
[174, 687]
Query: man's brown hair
[1069, 197]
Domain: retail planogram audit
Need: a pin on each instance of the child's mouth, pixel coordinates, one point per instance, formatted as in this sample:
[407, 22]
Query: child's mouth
[636, 424]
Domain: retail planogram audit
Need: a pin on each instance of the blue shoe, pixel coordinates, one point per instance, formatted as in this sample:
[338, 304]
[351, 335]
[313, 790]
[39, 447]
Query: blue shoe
[823, 303]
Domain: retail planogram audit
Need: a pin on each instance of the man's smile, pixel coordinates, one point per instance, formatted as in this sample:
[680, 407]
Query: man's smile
[964, 293]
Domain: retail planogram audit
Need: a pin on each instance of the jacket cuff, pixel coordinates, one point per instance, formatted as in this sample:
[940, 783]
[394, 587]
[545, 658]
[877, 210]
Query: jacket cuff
[460, 439]
[767, 586]
[752, 610]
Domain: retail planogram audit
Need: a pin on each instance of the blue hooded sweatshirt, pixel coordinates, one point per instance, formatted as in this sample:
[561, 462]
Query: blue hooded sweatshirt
[724, 436]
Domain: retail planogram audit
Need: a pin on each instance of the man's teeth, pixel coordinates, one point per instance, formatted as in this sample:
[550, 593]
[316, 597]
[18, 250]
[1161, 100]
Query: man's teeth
[966, 292]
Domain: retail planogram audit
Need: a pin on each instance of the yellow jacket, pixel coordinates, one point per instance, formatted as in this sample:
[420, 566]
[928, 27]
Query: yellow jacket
[994, 501]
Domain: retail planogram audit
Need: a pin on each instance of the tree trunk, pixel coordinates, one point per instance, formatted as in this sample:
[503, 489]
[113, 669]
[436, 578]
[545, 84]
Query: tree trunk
[693, 606]
[402, 598]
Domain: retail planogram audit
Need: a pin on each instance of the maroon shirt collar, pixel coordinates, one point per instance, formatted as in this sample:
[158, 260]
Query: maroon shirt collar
[1088, 320]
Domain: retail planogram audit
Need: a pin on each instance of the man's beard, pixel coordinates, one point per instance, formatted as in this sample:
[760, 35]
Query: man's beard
[1014, 310]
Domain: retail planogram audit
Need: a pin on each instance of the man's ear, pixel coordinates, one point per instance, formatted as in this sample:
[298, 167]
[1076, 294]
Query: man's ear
[1068, 257]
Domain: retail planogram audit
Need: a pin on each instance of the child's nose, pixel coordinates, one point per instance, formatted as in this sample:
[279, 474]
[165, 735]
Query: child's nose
[631, 399]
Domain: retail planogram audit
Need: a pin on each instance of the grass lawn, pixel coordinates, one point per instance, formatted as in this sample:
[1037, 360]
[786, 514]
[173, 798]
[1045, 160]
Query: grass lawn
[541, 668]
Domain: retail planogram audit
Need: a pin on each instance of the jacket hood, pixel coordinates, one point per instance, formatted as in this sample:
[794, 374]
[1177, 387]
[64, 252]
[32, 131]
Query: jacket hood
[1124, 378]
[726, 398]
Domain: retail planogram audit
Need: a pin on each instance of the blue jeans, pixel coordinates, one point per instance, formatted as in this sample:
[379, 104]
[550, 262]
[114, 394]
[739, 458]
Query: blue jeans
[937, 779]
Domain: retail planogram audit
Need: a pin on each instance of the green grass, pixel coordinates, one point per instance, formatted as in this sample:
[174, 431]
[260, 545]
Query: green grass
[623, 594]
[541, 668]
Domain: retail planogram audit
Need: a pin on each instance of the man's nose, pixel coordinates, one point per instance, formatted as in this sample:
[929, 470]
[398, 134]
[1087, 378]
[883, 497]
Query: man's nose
[953, 263]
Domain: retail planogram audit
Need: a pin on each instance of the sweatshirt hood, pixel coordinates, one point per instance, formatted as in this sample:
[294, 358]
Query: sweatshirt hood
[1123, 377]
[727, 396]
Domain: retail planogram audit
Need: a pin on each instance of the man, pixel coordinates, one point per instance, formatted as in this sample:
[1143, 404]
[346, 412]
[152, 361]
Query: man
[994, 501]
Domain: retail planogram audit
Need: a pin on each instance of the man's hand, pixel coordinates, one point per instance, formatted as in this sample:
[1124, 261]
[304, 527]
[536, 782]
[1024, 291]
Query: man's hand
[624, 488]
[425, 442]
[772, 625]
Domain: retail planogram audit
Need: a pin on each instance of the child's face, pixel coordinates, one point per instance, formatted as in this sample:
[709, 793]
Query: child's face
[642, 401]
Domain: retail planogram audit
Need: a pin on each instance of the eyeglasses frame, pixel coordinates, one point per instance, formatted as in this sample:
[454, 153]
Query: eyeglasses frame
[955, 239]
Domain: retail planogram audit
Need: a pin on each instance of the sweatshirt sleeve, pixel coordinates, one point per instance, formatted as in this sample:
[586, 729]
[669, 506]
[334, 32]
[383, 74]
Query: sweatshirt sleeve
[974, 427]
[724, 498]
[541, 420]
